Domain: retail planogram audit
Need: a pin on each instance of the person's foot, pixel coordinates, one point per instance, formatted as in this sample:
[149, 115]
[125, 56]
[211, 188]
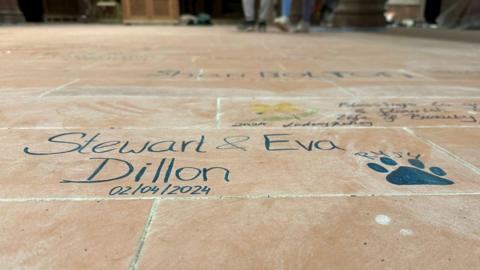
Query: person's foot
[302, 27]
[262, 26]
[430, 25]
[247, 26]
[282, 23]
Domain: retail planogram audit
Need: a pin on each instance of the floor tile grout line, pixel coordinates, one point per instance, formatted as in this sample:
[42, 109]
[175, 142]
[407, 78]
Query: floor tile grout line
[245, 197]
[412, 73]
[282, 67]
[143, 238]
[339, 195]
[231, 128]
[88, 66]
[342, 89]
[338, 86]
[443, 150]
[311, 97]
[217, 115]
[59, 88]
[320, 98]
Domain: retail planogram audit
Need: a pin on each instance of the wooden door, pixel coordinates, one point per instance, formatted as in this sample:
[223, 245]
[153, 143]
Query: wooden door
[147, 11]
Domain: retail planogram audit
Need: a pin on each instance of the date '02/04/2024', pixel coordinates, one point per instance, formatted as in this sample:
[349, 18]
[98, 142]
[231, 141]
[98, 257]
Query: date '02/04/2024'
[155, 190]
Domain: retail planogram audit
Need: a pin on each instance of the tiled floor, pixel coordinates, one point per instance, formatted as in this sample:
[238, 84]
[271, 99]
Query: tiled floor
[149, 147]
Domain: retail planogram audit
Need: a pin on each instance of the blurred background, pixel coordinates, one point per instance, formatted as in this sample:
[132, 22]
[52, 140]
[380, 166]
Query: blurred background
[461, 14]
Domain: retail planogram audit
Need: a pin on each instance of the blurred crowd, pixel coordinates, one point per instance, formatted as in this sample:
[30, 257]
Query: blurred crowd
[257, 20]
[459, 14]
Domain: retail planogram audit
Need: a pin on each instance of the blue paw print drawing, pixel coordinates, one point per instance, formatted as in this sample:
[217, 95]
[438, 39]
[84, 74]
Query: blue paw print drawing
[411, 175]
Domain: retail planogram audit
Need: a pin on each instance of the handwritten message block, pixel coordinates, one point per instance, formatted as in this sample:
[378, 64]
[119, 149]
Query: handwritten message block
[350, 113]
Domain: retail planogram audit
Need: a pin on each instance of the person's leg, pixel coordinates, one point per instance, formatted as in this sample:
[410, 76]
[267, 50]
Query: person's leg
[286, 6]
[327, 11]
[283, 22]
[265, 7]
[432, 10]
[304, 25]
[307, 10]
[249, 10]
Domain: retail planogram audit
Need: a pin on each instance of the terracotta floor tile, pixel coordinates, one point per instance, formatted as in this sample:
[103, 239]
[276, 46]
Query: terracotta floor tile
[328, 161]
[111, 112]
[318, 233]
[351, 112]
[463, 142]
[71, 235]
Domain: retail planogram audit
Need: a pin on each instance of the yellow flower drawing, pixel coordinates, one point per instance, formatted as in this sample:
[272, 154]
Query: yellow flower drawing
[280, 111]
[261, 108]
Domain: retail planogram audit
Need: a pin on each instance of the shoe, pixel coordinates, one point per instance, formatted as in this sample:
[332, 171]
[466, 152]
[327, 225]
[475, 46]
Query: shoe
[282, 23]
[262, 26]
[302, 27]
[247, 26]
